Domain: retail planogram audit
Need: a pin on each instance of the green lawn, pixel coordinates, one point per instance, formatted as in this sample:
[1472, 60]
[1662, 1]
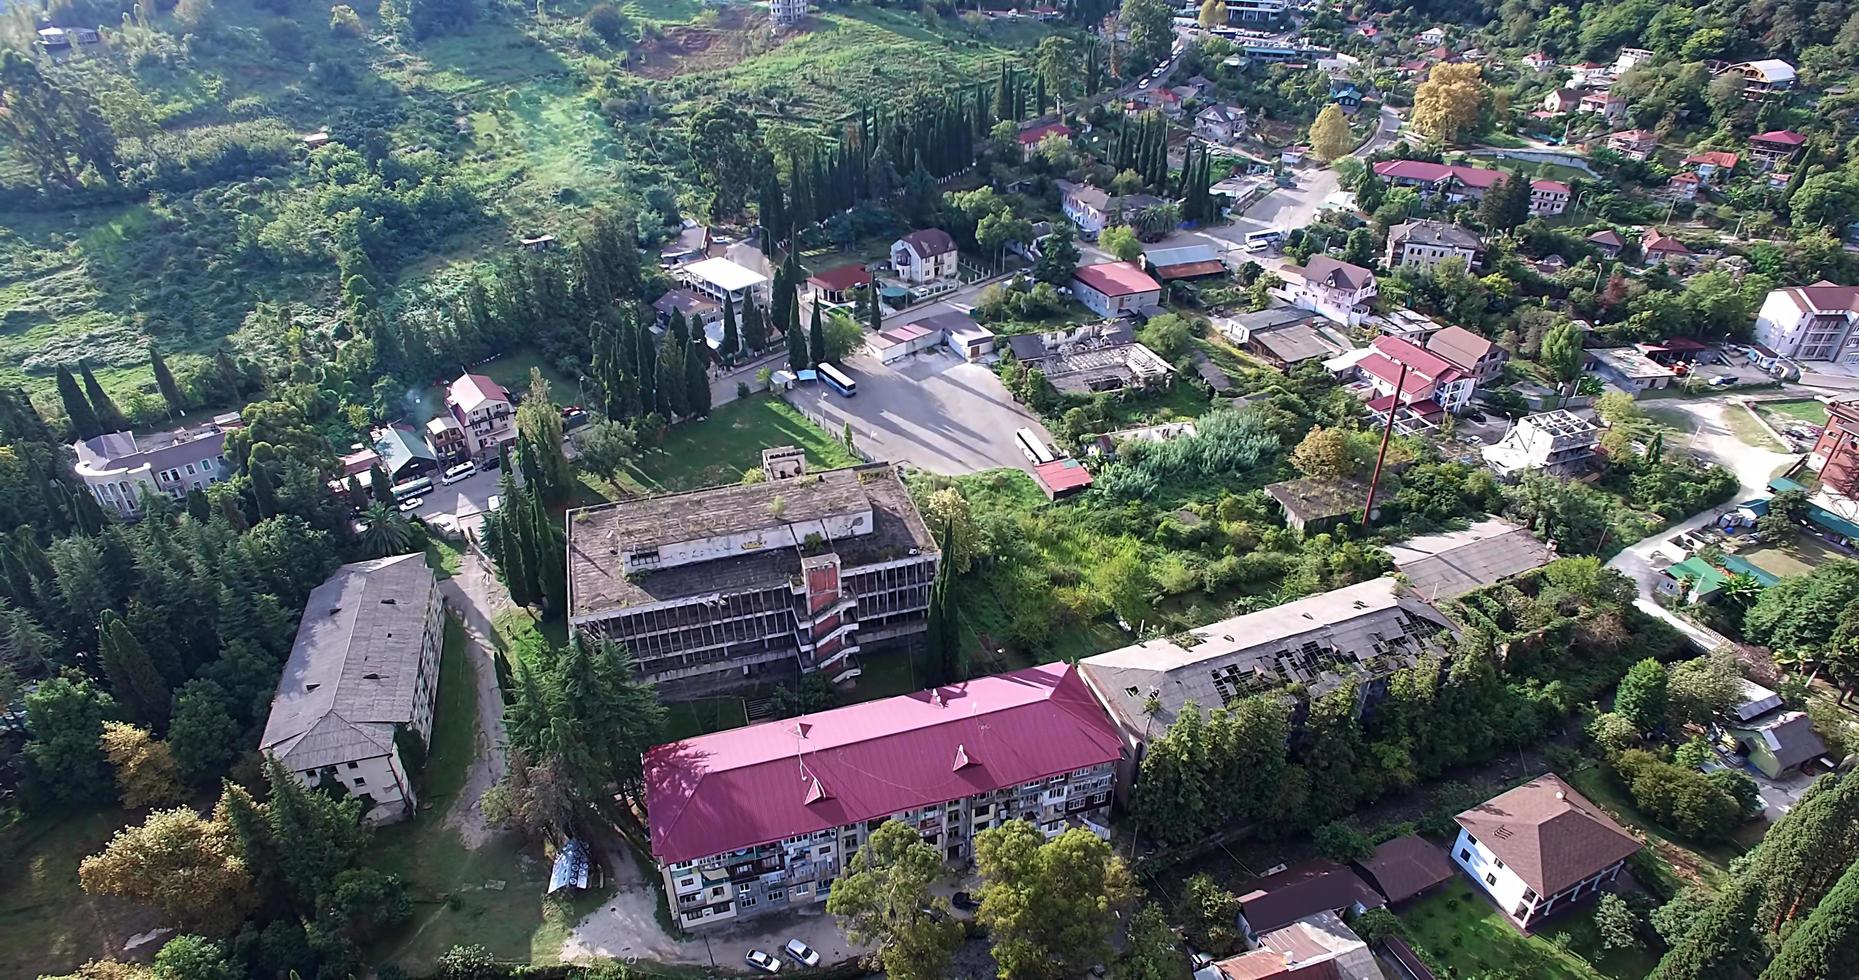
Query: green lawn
[47, 923]
[444, 556]
[491, 896]
[1800, 409]
[1796, 557]
[1461, 929]
[716, 450]
[1745, 427]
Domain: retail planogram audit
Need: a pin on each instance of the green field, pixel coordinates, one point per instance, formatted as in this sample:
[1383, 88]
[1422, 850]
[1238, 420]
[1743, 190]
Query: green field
[1797, 557]
[716, 450]
[47, 923]
[1460, 928]
[1794, 410]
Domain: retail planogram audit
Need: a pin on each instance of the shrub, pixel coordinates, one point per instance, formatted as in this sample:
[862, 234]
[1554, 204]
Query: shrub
[344, 22]
[1340, 842]
[607, 23]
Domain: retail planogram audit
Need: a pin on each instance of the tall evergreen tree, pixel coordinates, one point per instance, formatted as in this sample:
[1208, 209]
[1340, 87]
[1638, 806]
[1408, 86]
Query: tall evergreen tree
[164, 380]
[380, 485]
[816, 339]
[1806, 850]
[944, 627]
[108, 415]
[680, 330]
[316, 834]
[1826, 943]
[84, 423]
[1714, 946]
[876, 321]
[754, 328]
[697, 380]
[646, 357]
[132, 674]
[671, 394]
[732, 343]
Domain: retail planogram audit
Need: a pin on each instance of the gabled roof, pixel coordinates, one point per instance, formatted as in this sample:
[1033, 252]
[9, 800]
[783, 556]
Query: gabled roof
[1784, 137]
[735, 789]
[1116, 279]
[1459, 347]
[472, 391]
[1549, 186]
[1395, 351]
[354, 666]
[1318, 885]
[1432, 173]
[1789, 736]
[1405, 866]
[1033, 135]
[400, 446]
[1608, 237]
[1716, 158]
[841, 277]
[1548, 834]
[1332, 273]
[1823, 297]
[1657, 241]
[1436, 233]
[929, 242]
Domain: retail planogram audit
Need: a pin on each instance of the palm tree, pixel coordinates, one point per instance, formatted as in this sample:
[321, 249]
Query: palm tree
[1742, 589]
[387, 532]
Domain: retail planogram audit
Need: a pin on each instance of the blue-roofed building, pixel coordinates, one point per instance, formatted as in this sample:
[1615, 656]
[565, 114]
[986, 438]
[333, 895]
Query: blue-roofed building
[1346, 95]
[403, 452]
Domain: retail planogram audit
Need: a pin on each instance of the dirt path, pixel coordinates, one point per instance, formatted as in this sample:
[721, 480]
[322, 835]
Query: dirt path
[477, 596]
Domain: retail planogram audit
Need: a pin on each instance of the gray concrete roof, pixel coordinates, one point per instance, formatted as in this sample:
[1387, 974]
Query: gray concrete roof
[1367, 629]
[354, 667]
[1441, 566]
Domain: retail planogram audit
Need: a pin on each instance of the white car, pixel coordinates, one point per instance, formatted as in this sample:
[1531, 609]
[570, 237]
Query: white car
[762, 961]
[803, 954]
[462, 471]
[412, 504]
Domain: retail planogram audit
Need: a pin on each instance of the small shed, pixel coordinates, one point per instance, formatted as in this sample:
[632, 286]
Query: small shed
[1313, 505]
[1062, 478]
[1405, 867]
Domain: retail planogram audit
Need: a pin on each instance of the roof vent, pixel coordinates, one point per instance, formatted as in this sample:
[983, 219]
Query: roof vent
[936, 697]
[801, 728]
[311, 687]
[961, 758]
[390, 602]
[371, 676]
[1561, 795]
[333, 610]
[817, 791]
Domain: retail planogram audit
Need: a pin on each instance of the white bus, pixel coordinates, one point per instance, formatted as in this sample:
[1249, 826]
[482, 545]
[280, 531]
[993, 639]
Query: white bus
[1033, 448]
[412, 488]
[836, 379]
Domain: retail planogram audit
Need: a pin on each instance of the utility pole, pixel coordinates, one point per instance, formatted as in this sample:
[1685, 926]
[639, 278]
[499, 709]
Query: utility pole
[1387, 432]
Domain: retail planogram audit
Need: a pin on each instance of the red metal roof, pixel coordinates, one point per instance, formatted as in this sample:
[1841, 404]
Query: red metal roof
[730, 790]
[1549, 186]
[1433, 173]
[1716, 158]
[1425, 407]
[1418, 360]
[1038, 133]
[841, 277]
[1063, 475]
[1116, 279]
[1787, 137]
[1191, 270]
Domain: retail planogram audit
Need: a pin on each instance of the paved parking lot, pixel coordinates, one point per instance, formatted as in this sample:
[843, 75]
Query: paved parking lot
[461, 504]
[933, 410]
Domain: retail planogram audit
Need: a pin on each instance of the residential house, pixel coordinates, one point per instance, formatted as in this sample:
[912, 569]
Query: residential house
[1630, 58]
[1431, 383]
[1540, 847]
[1031, 137]
[404, 453]
[1768, 76]
[1451, 563]
[1282, 336]
[1198, 261]
[1673, 350]
[961, 333]
[1255, 11]
[1432, 37]
[692, 242]
[1697, 579]
[1346, 96]
[446, 438]
[1775, 147]
[839, 284]
[1556, 443]
[1684, 186]
[1635, 144]
[1473, 355]
[1168, 101]
[1092, 209]
[1811, 323]
[1316, 947]
[1589, 73]
[1548, 198]
[1657, 246]
[1337, 289]
[695, 307]
[1311, 888]
[1313, 505]
[118, 467]
[1538, 61]
[1221, 124]
[783, 14]
[753, 584]
[1712, 166]
[1113, 288]
[360, 682]
[1777, 743]
[1754, 701]
[924, 256]
[1562, 100]
[1425, 243]
[1836, 453]
[1608, 242]
[1630, 370]
[1610, 106]
[482, 408]
[1293, 156]
[1454, 183]
[766, 818]
[1365, 631]
[1405, 867]
[724, 277]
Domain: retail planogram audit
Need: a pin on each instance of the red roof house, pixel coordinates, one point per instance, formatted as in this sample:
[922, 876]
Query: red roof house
[1659, 245]
[726, 791]
[1033, 135]
[1062, 477]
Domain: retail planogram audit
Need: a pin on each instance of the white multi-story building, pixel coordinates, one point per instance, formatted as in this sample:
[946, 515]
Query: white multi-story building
[1557, 443]
[118, 466]
[767, 817]
[924, 256]
[1425, 244]
[1538, 848]
[725, 278]
[1337, 290]
[483, 410]
[1811, 323]
[1255, 11]
[786, 13]
[361, 676]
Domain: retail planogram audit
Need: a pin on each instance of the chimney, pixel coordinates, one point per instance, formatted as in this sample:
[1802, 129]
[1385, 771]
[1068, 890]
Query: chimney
[936, 697]
[1561, 795]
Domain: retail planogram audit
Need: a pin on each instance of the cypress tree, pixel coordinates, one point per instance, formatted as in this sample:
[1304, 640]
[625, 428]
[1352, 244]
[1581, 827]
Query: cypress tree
[1714, 947]
[108, 415]
[380, 485]
[1003, 95]
[680, 331]
[671, 394]
[84, 424]
[132, 674]
[164, 380]
[1826, 943]
[1806, 850]
[551, 558]
[816, 338]
[876, 323]
[647, 360]
[796, 350]
[944, 632]
[697, 380]
[732, 344]
[754, 329]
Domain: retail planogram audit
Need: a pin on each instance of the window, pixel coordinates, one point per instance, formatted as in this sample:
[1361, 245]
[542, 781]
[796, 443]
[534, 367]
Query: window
[1469, 839]
[1491, 879]
[354, 765]
[1500, 864]
[747, 902]
[1465, 854]
[190, 469]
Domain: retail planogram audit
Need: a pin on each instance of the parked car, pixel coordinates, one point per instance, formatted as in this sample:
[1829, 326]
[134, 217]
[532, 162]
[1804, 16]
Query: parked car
[803, 954]
[412, 504]
[762, 961]
[462, 471]
[1723, 381]
[964, 901]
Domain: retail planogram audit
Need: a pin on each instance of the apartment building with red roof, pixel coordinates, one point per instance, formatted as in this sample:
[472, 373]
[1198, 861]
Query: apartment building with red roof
[1463, 183]
[1811, 323]
[1432, 384]
[766, 817]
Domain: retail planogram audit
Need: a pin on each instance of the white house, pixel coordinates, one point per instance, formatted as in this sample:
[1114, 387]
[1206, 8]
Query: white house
[1811, 323]
[118, 466]
[1337, 290]
[1426, 244]
[483, 409]
[1555, 442]
[1110, 288]
[1548, 197]
[718, 278]
[361, 679]
[1764, 76]
[1220, 123]
[924, 256]
[1088, 207]
[1539, 848]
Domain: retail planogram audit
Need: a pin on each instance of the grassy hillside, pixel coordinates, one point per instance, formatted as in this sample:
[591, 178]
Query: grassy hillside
[515, 126]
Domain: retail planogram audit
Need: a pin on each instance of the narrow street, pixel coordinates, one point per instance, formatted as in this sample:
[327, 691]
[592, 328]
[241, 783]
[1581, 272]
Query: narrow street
[476, 597]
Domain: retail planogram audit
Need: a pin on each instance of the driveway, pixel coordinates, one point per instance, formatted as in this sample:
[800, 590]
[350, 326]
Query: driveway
[477, 597]
[1710, 439]
[933, 410]
[461, 504]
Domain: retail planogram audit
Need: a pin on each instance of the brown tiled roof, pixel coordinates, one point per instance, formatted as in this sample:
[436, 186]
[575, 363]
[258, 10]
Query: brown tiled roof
[1405, 866]
[929, 241]
[841, 277]
[1304, 889]
[1547, 833]
[1459, 347]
